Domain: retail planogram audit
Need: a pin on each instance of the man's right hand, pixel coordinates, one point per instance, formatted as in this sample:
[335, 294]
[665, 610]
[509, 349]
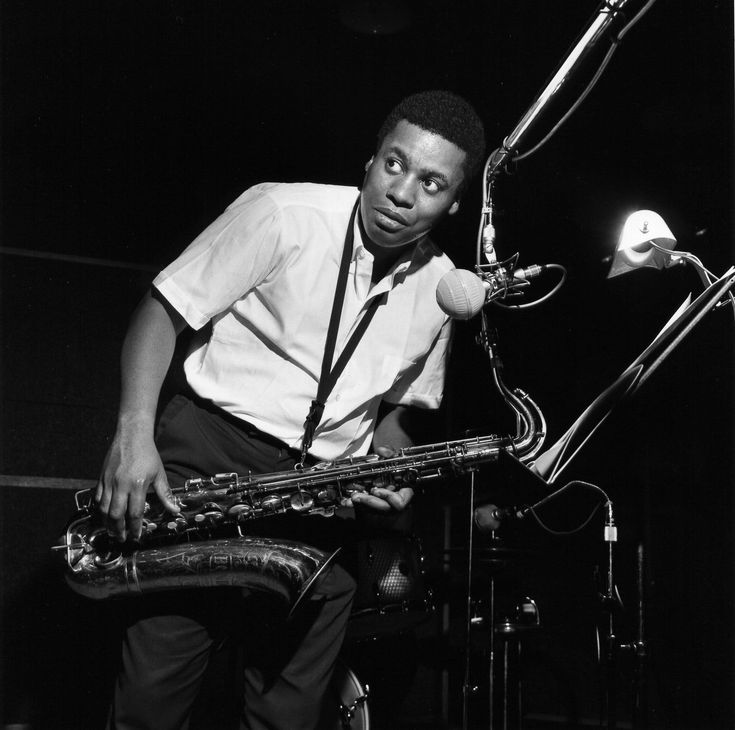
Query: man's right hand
[131, 466]
[132, 463]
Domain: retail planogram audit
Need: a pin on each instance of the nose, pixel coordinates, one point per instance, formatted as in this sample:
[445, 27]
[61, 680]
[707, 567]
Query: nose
[402, 192]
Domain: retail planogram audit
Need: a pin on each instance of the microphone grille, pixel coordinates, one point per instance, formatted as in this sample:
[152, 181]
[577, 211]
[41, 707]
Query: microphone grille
[460, 294]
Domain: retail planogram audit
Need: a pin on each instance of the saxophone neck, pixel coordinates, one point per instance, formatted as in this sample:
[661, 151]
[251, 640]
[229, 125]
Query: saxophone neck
[532, 427]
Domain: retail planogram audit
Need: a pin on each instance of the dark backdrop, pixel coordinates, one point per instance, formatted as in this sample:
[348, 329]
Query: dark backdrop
[128, 126]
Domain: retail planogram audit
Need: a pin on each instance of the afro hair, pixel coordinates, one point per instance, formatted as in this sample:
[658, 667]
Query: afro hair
[446, 114]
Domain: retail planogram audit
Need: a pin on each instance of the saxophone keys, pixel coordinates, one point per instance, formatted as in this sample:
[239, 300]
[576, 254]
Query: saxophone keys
[149, 526]
[301, 501]
[239, 512]
[107, 553]
[178, 525]
[211, 513]
[410, 476]
[213, 510]
[225, 480]
[327, 496]
[272, 504]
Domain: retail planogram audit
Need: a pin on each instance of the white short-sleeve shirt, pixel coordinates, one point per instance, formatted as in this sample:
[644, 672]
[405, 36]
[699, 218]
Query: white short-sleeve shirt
[265, 274]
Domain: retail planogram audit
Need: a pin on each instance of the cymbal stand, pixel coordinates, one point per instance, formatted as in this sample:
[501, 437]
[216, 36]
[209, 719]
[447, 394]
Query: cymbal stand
[609, 601]
[639, 650]
[467, 689]
[510, 631]
[502, 650]
[612, 649]
[476, 621]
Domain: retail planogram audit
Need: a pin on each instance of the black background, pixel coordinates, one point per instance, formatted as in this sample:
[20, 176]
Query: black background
[128, 126]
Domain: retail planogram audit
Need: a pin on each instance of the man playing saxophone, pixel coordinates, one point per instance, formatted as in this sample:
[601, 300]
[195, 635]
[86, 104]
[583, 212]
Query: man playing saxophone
[316, 336]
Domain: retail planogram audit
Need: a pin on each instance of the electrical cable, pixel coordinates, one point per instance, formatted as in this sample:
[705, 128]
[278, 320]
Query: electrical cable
[545, 297]
[593, 82]
[705, 274]
[572, 109]
[555, 494]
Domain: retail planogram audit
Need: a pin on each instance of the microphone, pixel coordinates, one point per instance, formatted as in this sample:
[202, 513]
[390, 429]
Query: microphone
[488, 517]
[462, 294]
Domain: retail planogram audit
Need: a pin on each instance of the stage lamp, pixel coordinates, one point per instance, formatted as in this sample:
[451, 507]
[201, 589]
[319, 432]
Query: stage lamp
[646, 240]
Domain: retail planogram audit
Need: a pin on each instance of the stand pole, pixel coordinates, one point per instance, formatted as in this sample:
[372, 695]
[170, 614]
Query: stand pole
[491, 663]
[611, 650]
[466, 687]
[640, 653]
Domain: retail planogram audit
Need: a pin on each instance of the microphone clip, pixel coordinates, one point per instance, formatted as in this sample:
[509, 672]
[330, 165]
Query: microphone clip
[505, 280]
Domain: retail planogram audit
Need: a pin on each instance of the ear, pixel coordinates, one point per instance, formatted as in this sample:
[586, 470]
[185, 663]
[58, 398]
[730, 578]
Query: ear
[368, 163]
[453, 208]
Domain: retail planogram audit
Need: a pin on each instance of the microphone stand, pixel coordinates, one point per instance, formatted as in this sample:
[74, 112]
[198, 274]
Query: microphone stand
[607, 15]
[608, 12]
[610, 650]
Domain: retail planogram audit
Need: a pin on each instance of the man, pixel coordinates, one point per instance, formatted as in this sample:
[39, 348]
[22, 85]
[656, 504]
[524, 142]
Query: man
[259, 285]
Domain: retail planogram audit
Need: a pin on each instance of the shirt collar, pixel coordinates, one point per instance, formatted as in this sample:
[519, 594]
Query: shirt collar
[411, 260]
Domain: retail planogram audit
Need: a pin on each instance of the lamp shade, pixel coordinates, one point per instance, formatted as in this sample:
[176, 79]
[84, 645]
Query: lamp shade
[634, 249]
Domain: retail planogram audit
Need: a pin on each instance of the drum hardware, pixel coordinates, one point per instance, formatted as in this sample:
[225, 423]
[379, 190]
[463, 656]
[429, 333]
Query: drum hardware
[509, 631]
[502, 634]
[392, 596]
[351, 699]
[503, 651]
[348, 712]
[497, 556]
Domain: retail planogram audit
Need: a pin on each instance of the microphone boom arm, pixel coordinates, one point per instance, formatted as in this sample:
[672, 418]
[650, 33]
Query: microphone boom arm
[606, 15]
[601, 25]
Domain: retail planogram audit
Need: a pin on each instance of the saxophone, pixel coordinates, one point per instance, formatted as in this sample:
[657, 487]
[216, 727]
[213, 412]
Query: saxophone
[187, 551]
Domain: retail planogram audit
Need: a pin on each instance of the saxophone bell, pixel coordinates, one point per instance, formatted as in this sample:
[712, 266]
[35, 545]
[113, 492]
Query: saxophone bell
[197, 547]
[99, 567]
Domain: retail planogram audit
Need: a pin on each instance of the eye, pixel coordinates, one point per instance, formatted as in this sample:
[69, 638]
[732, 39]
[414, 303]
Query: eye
[392, 165]
[431, 186]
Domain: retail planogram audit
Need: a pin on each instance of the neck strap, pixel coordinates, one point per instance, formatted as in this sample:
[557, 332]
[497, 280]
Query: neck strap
[329, 375]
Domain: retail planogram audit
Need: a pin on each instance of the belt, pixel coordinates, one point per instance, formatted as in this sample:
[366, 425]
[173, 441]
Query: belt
[242, 425]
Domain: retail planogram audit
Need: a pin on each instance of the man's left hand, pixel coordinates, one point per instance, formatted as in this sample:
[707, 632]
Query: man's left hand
[384, 499]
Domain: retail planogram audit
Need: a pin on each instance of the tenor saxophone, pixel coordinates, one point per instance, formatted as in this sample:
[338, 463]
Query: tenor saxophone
[186, 551]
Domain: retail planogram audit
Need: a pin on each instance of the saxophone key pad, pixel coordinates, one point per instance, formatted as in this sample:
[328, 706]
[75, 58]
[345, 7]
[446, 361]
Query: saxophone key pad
[272, 504]
[301, 501]
[239, 511]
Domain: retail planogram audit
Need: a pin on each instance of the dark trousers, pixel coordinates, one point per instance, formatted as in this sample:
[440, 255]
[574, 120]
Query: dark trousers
[288, 664]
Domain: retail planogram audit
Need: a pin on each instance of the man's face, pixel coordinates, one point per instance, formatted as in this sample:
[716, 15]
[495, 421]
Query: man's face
[411, 183]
